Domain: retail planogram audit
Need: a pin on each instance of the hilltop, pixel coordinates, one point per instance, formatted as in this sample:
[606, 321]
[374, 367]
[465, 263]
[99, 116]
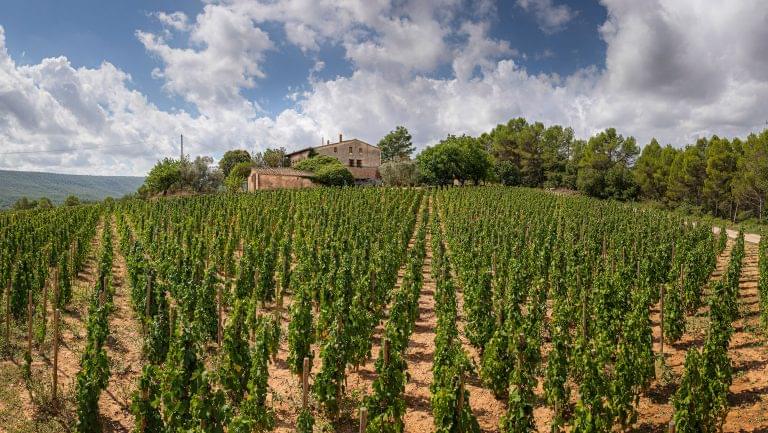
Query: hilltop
[56, 186]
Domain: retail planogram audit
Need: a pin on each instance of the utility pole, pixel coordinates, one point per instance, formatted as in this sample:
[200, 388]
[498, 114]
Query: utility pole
[182, 148]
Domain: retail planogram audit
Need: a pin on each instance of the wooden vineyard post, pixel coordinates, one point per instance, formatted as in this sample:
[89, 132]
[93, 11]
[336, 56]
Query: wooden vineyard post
[56, 316]
[386, 352]
[144, 397]
[460, 403]
[43, 315]
[219, 313]
[363, 418]
[29, 324]
[8, 314]
[148, 300]
[305, 383]
[671, 428]
[661, 302]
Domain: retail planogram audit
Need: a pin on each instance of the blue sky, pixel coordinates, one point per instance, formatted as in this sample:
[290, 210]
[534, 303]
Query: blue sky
[131, 76]
[89, 32]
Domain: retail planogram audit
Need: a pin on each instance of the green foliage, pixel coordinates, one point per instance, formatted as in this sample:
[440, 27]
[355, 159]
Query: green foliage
[71, 200]
[315, 163]
[462, 158]
[237, 176]
[235, 358]
[300, 331]
[231, 158]
[94, 370]
[400, 173]
[146, 401]
[396, 145]
[180, 380]
[24, 204]
[164, 176]
[334, 175]
[605, 166]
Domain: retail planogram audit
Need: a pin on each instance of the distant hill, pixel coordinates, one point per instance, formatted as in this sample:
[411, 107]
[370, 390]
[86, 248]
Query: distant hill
[55, 186]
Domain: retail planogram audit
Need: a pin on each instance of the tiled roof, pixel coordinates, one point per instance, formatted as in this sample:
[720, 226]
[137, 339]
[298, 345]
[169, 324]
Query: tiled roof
[338, 143]
[281, 171]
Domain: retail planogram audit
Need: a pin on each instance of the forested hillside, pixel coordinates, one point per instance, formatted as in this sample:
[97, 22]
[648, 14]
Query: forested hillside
[55, 186]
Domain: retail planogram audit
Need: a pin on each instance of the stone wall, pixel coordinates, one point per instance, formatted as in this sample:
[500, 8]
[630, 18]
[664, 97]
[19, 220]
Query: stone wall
[262, 181]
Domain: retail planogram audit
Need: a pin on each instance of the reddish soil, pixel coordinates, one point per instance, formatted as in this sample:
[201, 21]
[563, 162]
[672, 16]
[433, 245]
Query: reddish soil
[286, 387]
[485, 406]
[71, 343]
[420, 354]
[123, 349]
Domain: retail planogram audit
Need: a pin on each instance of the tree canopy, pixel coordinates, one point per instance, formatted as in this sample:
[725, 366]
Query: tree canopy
[396, 145]
[462, 158]
[231, 158]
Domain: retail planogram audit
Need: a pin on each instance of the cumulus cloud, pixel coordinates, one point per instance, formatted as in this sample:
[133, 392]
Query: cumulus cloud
[550, 17]
[675, 69]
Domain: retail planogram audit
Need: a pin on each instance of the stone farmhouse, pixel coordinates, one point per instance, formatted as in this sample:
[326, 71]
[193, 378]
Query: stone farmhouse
[362, 160]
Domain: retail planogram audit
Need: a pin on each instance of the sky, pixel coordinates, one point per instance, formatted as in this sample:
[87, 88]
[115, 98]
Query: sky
[108, 87]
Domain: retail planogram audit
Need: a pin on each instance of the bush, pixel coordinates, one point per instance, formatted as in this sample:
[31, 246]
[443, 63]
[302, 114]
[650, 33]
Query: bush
[313, 164]
[327, 169]
[400, 173]
[333, 175]
[237, 176]
[165, 175]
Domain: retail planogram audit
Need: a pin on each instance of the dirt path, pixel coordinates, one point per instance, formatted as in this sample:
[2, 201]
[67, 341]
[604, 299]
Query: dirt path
[421, 352]
[485, 406]
[71, 344]
[123, 349]
[748, 397]
[286, 388]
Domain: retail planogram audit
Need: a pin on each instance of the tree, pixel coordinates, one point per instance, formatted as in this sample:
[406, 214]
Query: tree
[71, 200]
[24, 204]
[237, 176]
[166, 174]
[721, 168]
[44, 203]
[231, 158]
[750, 185]
[652, 170]
[529, 154]
[198, 175]
[327, 169]
[397, 145]
[686, 175]
[272, 158]
[604, 167]
[462, 158]
[400, 173]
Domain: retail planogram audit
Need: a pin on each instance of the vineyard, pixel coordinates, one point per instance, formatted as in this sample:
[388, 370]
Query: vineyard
[486, 309]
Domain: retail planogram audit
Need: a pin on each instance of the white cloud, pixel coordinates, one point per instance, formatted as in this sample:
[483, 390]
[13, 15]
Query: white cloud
[551, 18]
[176, 20]
[225, 57]
[675, 69]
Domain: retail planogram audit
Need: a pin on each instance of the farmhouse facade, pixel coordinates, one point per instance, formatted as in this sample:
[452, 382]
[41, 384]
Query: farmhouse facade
[362, 159]
[263, 178]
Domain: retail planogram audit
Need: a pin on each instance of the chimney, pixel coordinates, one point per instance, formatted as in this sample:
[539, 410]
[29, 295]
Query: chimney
[340, 140]
[328, 142]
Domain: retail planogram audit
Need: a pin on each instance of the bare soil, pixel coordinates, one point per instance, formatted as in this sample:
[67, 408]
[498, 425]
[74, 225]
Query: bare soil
[123, 349]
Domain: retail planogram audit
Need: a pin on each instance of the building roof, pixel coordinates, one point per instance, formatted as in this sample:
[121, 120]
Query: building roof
[284, 171]
[338, 143]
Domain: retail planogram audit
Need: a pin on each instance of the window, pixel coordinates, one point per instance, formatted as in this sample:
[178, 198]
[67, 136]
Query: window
[351, 162]
[359, 150]
[359, 163]
[335, 150]
[350, 149]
